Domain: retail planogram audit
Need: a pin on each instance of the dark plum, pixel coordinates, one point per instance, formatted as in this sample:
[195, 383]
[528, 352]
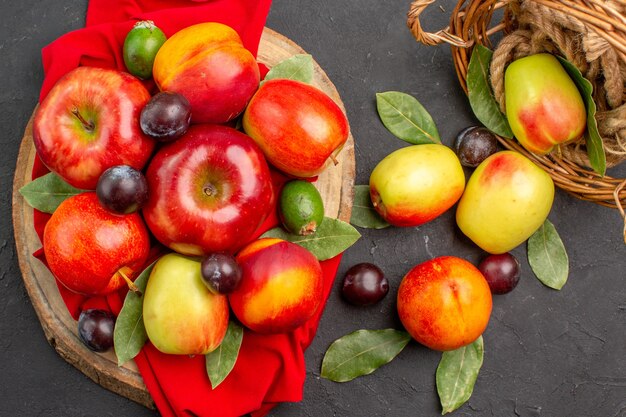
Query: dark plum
[166, 117]
[502, 272]
[122, 189]
[221, 273]
[474, 144]
[364, 284]
[95, 329]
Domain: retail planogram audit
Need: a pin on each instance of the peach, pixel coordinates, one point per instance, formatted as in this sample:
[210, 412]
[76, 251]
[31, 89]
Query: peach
[444, 303]
[281, 286]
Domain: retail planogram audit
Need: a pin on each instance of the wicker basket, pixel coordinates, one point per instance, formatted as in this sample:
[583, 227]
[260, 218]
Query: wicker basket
[589, 33]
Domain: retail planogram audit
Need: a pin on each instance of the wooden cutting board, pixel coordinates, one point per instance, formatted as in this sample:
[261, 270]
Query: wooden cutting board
[336, 185]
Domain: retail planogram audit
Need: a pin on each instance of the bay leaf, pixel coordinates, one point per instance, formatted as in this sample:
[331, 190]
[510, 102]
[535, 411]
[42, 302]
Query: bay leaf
[332, 237]
[298, 67]
[361, 353]
[457, 373]
[363, 212]
[222, 360]
[593, 140]
[481, 99]
[47, 192]
[129, 334]
[406, 118]
[547, 256]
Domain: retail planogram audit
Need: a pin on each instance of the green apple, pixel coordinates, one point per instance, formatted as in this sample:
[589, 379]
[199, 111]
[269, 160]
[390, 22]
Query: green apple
[181, 315]
[506, 200]
[416, 184]
[543, 105]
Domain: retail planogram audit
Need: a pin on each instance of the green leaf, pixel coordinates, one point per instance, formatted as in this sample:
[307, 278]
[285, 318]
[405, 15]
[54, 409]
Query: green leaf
[406, 118]
[363, 212]
[47, 192]
[547, 256]
[361, 353]
[222, 360]
[457, 373]
[129, 334]
[298, 67]
[484, 105]
[595, 148]
[331, 238]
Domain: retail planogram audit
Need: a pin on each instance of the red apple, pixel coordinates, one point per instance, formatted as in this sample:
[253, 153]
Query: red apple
[299, 128]
[91, 251]
[281, 287]
[89, 122]
[209, 191]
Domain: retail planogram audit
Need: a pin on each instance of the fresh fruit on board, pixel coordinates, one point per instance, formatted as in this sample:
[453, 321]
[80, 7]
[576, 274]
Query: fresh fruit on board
[122, 189]
[502, 272]
[221, 273]
[300, 207]
[208, 64]
[415, 184]
[141, 45]
[166, 117]
[474, 144]
[299, 128]
[543, 105]
[181, 315]
[95, 329]
[209, 191]
[364, 284]
[88, 122]
[506, 200]
[92, 251]
[281, 286]
[444, 303]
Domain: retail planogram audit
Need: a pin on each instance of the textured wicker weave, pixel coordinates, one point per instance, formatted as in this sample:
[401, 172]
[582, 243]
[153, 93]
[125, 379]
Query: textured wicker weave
[589, 33]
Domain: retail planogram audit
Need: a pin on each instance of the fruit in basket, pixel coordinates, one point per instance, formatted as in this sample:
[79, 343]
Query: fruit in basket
[543, 104]
[141, 45]
[506, 200]
[166, 117]
[221, 273]
[502, 272]
[300, 207]
[281, 286]
[474, 144]
[364, 284]
[181, 315]
[444, 303]
[92, 251]
[95, 329]
[415, 184]
[209, 191]
[208, 64]
[88, 122]
[299, 128]
[122, 189]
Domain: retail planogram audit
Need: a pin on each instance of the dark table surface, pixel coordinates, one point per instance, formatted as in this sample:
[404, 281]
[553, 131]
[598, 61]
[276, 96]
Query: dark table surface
[547, 353]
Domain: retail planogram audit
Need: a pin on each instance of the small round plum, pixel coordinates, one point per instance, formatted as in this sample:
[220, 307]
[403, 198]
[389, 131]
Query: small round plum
[364, 284]
[166, 117]
[221, 273]
[502, 272]
[122, 189]
[474, 144]
[95, 329]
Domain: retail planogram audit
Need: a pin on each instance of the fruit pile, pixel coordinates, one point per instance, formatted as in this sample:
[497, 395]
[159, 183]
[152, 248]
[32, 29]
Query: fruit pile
[183, 178]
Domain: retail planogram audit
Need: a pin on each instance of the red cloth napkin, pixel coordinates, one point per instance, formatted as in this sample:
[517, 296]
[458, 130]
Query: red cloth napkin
[269, 369]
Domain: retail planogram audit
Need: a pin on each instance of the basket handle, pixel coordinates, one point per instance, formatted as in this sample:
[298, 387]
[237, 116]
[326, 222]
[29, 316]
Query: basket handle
[430, 38]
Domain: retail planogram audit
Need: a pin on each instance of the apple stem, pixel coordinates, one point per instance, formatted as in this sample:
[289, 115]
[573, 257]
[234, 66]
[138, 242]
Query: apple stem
[87, 124]
[131, 285]
[335, 161]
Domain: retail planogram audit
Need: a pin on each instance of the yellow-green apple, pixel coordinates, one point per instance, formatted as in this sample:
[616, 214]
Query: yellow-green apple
[88, 122]
[208, 64]
[92, 251]
[299, 127]
[281, 287]
[543, 105]
[506, 200]
[209, 191]
[444, 303]
[415, 184]
[181, 315]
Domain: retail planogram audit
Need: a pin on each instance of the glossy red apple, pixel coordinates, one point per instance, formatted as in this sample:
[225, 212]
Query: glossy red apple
[92, 251]
[209, 191]
[90, 122]
[299, 127]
